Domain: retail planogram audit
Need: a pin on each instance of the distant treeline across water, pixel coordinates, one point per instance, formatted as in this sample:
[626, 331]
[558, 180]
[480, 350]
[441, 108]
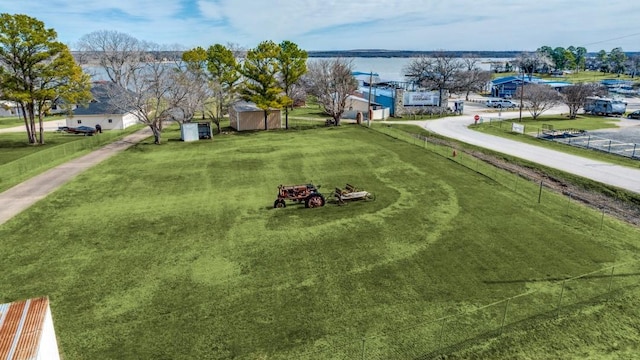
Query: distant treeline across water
[87, 57]
[410, 53]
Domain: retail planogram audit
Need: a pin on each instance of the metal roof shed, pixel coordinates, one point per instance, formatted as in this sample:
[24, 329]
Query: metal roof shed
[244, 116]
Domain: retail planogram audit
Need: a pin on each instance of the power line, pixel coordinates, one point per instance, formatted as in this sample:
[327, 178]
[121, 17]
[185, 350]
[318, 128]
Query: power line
[612, 39]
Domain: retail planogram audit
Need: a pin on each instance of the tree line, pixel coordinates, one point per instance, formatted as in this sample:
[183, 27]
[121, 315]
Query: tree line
[37, 71]
[615, 61]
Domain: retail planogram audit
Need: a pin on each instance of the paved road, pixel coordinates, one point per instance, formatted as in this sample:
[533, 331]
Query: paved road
[457, 128]
[21, 196]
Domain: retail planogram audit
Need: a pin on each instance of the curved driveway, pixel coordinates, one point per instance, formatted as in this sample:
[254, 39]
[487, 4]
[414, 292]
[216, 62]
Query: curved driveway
[457, 128]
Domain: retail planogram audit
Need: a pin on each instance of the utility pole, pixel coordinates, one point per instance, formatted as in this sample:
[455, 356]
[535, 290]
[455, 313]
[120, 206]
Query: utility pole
[369, 104]
[521, 95]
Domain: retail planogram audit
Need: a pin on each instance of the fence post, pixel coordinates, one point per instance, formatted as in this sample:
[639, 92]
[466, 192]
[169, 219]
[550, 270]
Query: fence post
[540, 192]
[504, 316]
[560, 301]
[634, 151]
[441, 333]
[609, 150]
[363, 348]
[588, 141]
[611, 278]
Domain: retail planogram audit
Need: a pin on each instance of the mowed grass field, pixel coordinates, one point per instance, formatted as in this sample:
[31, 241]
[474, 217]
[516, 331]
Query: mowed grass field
[14, 146]
[175, 251]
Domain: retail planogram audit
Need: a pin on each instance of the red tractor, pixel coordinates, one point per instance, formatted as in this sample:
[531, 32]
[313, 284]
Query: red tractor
[299, 193]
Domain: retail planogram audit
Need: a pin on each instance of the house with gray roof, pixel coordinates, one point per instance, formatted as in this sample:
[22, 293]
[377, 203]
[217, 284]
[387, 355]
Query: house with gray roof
[101, 111]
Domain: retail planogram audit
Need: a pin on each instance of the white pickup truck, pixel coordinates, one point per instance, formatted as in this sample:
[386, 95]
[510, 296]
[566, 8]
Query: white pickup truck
[500, 103]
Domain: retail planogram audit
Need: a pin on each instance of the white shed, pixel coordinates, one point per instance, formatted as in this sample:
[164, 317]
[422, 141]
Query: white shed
[189, 132]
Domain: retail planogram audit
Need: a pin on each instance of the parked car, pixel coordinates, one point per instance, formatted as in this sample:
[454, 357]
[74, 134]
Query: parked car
[84, 130]
[634, 115]
[500, 103]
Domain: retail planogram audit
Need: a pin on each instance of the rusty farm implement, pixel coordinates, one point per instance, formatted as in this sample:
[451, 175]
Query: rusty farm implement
[350, 193]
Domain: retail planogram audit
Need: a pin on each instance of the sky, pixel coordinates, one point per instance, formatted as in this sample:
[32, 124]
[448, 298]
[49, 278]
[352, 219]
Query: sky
[473, 25]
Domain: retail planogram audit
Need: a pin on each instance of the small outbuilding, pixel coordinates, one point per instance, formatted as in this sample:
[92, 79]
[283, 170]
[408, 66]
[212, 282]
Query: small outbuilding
[26, 331]
[359, 105]
[245, 116]
[195, 131]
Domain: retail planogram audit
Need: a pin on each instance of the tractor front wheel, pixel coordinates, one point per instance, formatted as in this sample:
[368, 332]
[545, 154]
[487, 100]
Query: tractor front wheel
[279, 203]
[314, 200]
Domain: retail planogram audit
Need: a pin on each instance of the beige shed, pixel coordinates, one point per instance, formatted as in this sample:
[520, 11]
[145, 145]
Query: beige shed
[244, 116]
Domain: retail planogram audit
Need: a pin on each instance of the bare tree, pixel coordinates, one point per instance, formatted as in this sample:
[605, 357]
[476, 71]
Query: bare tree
[575, 96]
[120, 55]
[441, 71]
[331, 82]
[634, 65]
[472, 77]
[150, 91]
[187, 93]
[540, 98]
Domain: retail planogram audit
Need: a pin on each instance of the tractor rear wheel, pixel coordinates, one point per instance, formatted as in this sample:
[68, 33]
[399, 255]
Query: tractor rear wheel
[279, 203]
[314, 200]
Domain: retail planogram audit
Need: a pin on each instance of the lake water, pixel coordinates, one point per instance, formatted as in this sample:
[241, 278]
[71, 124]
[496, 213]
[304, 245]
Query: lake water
[392, 68]
[386, 68]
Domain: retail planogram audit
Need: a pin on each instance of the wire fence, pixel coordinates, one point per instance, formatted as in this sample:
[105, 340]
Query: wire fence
[572, 137]
[549, 299]
[593, 142]
[436, 337]
[20, 169]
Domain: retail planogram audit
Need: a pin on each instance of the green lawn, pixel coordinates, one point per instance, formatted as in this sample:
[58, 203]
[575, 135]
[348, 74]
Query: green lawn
[20, 161]
[175, 251]
[14, 146]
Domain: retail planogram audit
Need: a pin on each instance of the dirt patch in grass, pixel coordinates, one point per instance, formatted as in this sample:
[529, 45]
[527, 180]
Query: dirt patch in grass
[626, 210]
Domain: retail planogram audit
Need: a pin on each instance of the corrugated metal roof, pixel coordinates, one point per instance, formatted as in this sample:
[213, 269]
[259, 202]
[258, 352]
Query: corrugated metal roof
[21, 325]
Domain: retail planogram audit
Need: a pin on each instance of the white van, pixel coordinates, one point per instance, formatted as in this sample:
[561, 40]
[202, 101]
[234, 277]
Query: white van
[500, 103]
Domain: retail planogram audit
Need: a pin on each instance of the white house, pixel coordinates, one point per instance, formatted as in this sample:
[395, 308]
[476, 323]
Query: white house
[101, 112]
[26, 331]
[9, 108]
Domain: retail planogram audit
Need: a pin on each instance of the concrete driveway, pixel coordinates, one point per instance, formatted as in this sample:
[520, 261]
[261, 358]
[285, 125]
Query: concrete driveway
[21, 196]
[457, 128]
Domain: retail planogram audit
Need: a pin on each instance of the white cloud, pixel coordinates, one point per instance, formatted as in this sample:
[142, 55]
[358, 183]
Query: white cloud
[339, 24]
